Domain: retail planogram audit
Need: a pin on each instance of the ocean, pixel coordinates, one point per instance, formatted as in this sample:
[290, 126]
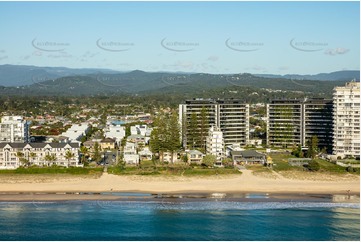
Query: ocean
[175, 219]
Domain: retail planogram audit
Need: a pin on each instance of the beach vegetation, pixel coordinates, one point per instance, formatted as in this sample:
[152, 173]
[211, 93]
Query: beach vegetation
[313, 166]
[54, 170]
[209, 160]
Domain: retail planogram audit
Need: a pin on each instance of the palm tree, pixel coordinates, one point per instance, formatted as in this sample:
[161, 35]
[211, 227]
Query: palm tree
[84, 152]
[50, 158]
[20, 156]
[69, 155]
[32, 156]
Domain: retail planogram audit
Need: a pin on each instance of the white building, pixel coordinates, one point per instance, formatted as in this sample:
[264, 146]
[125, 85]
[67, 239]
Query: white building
[14, 129]
[215, 143]
[116, 132]
[76, 132]
[346, 118]
[130, 155]
[13, 155]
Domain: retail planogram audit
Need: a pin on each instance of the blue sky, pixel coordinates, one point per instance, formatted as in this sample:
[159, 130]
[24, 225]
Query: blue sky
[213, 37]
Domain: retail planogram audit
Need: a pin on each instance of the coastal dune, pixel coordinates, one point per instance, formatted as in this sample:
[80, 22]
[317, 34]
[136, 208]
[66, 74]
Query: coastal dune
[247, 182]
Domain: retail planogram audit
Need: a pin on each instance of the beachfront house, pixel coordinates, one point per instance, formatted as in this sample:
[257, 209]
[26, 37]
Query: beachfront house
[248, 157]
[14, 155]
[195, 157]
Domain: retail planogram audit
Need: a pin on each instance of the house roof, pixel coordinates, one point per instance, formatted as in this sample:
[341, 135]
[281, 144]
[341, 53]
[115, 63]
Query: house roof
[107, 140]
[247, 153]
[38, 145]
[195, 152]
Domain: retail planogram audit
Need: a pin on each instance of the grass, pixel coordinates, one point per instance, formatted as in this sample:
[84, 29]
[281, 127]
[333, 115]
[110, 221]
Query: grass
[259, 169]
[54, 170]
[280, 161]
[171, 170]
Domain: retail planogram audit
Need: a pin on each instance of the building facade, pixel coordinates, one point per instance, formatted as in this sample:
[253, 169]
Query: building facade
[346, 120]
[293, 122]
[14, 129]
[14, 155]
[215, 143]
[230, 115]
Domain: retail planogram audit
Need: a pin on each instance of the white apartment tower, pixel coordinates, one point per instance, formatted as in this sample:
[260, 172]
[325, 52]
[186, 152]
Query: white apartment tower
[346, 120]
[215, 143]
[14, 129]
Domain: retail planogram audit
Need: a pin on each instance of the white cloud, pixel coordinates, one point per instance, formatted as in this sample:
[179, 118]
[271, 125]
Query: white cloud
[336, 51]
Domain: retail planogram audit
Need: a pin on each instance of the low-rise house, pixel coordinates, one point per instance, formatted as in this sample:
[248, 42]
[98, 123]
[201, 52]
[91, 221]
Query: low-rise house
[195, 156]
[145, 154]
[136, 138]
[116, 132]
[76, 131]
[107, 144]
[130, 155]
[168, 157]
[248, 157]
[14, 155]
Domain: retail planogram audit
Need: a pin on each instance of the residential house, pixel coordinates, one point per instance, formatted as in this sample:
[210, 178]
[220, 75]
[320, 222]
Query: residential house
[12, 155]
[195, 156]
[247, 157]
[130, 155]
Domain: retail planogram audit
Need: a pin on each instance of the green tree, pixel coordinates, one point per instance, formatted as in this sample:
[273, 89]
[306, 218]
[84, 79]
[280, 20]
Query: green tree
[209, 160]
[312, 145]
[32, 156]
[313, 166]
[204, 127]
[172, 142]
[96, 154]
[68, 156]
[50, 158]
[192, 132]
[84, 153]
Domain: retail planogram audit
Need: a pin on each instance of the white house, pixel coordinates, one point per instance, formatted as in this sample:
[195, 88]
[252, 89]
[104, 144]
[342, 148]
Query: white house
[76, 132]
[116, 132]
[13, 154]
[130, 155]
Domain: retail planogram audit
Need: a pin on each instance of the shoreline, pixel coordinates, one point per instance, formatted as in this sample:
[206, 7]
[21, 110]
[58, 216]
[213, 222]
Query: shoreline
[178, 197]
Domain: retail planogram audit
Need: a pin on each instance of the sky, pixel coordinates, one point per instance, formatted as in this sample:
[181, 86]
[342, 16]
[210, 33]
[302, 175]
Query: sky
[209, 37]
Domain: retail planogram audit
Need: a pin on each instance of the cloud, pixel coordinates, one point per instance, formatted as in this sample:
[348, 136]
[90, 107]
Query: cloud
[2, 51]
[336, 51]
[62, 54]
[26, 57]
[213, 58]
[3, 57]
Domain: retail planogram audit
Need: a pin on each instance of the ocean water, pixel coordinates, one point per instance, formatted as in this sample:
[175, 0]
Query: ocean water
[164, 220]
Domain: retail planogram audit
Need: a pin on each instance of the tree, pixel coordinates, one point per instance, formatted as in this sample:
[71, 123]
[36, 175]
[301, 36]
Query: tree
[84, 152]
[313, 166]
[204, 126]
[22, 159]
[96, 154]
[297, 151]
[228, 163]
[68, 156]
[50, 158]
[312, 145]
[209, 160]
[173, 134]
[32, 156]
[193, 131]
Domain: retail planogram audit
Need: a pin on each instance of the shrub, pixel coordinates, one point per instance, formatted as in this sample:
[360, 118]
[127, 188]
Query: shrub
[313, 166]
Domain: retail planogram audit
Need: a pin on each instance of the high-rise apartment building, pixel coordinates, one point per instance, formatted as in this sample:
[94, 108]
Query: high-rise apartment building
[14, 129]
[346, 117]
[197, 116]
[293, 122]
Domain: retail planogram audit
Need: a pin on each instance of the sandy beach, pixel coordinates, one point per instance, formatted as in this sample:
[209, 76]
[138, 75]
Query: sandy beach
[247, 182]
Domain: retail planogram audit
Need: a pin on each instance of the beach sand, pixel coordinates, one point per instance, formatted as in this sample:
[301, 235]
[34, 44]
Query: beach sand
[247, 182]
